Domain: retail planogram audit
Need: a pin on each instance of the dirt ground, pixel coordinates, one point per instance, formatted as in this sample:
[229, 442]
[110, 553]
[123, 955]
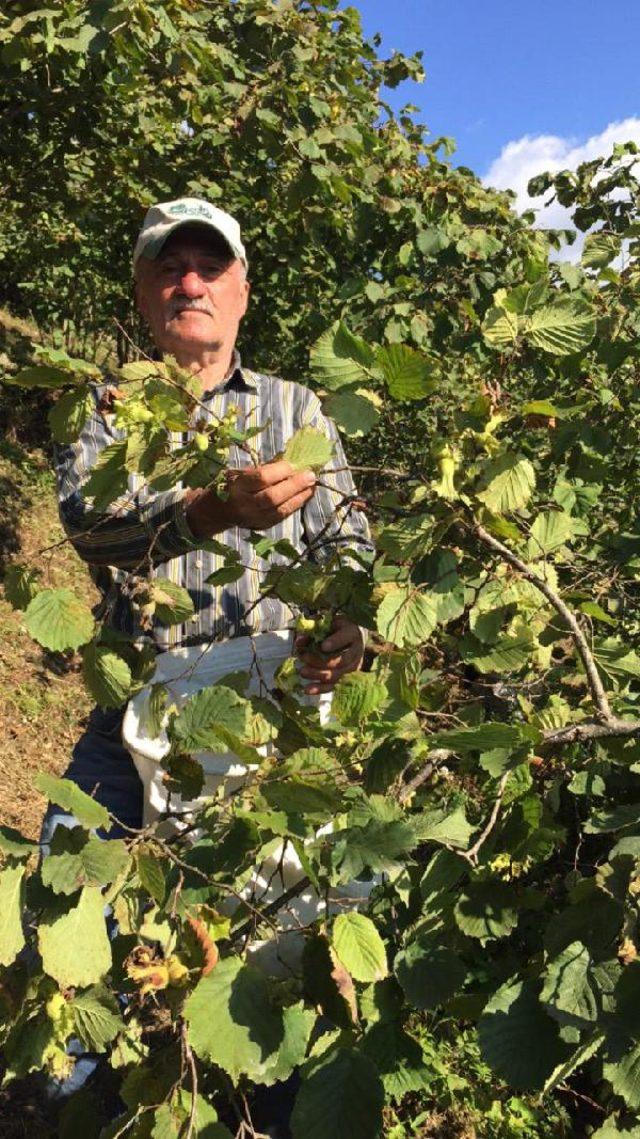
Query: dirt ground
[42, 700]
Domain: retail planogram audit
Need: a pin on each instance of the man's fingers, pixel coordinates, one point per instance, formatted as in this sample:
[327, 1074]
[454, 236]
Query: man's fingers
[288, 488]
[342, 638]
[269, 474]
[314, 659]
[311, 672]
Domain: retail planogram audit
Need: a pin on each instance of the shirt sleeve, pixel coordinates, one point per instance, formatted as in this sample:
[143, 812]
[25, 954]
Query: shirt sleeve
[138, 528]
[333, 524]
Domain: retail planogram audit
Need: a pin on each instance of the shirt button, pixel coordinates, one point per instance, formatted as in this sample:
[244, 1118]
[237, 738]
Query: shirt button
[198, 563]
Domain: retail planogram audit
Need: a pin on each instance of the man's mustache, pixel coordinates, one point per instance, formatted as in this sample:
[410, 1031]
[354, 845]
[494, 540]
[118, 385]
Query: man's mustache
[189, 306]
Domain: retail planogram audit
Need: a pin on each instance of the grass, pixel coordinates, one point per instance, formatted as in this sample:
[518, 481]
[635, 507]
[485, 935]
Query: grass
[41, 693]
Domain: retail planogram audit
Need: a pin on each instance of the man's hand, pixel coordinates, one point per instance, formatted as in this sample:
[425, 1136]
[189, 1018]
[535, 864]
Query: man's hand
[341, 652]
[259, 497]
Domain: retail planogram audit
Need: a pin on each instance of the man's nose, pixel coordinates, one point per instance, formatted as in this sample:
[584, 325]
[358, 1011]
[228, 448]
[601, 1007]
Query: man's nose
[191, 284]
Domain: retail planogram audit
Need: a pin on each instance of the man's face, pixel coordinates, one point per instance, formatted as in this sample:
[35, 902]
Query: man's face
[193, 295]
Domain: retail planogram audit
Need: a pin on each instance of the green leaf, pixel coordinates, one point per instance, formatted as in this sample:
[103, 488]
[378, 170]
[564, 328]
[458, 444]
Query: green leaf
[357, 696]
[65, 793]
[342, 1098]
[339, 359]
[452, 828]
[69, 414]
[431, 241]
[507, 483]
[20, 585]
[151, 874]
[231, 1020]
[97, 1017]
[399, 1060]
[74, 946]
[407, 373]
[11, 911]
[484, 737]
[517, 1037]
[353, 412]
[614, 1128]
[600, 249]
[616, 658]
[549, 531]
[13, 843]
[509, 654]
[308, 449]
[173, 604]
[406, 617]
[568, 989]
[578, 1057]
[562, 328]
[374, 847]
[78, 860]
[210, 712]
[298, 1023]
[500, 328]
[108, 478]
[360, 947]
[613, 819]
[623, 1073]
[225, 575]
[297, 796]
[58, 620]
[41, 376]
[487, 910]
[429, 973]
[106, 675]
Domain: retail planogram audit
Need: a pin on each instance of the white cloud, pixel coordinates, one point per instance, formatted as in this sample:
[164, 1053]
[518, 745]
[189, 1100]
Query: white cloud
[521, 159]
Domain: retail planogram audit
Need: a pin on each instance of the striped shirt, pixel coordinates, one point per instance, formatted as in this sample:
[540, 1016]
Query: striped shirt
[152, 526]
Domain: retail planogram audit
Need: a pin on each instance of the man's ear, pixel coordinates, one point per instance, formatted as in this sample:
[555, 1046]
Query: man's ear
[139, 298]
[247, 295]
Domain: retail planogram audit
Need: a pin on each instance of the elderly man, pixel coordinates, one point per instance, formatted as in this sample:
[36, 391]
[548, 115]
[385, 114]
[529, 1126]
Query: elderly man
[191, 287]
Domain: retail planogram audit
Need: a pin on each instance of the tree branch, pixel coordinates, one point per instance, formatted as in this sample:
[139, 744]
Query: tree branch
[438, 755]
[472, 854]
[598, 693]
[582, 733]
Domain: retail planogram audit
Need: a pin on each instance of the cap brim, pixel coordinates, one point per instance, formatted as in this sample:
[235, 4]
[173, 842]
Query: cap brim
[152, 248]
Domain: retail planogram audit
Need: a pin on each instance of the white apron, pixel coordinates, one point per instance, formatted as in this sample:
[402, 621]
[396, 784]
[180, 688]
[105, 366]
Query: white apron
[185, 672]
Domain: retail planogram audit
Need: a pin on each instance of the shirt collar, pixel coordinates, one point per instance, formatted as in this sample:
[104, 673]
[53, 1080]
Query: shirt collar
[236, 379]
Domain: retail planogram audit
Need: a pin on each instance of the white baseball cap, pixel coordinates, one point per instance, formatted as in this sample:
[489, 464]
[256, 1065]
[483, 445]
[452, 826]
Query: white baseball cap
[161, 220]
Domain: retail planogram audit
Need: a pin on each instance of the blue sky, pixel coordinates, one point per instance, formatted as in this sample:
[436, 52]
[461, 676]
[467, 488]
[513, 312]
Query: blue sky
[503, 70]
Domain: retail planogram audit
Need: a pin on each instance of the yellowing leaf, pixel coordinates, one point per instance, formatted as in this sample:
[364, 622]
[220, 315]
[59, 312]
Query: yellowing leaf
[507, 483]
[11, 907]
[75, 947]
[308, 449]
[360, 947]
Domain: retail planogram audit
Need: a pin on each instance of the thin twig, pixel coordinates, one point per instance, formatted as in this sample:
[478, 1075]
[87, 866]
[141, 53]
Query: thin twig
[598, 693]
[188, 1052]
[472, 854]
[582, 733]
[273, 907]
[439, 755]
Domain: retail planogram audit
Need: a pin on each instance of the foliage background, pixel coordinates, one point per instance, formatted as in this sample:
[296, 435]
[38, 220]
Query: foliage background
[525, 401]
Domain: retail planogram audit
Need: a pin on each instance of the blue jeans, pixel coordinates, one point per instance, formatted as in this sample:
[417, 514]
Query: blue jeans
[102, 767]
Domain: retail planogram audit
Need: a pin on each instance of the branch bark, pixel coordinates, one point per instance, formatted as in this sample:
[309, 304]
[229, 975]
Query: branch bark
[582, 733]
